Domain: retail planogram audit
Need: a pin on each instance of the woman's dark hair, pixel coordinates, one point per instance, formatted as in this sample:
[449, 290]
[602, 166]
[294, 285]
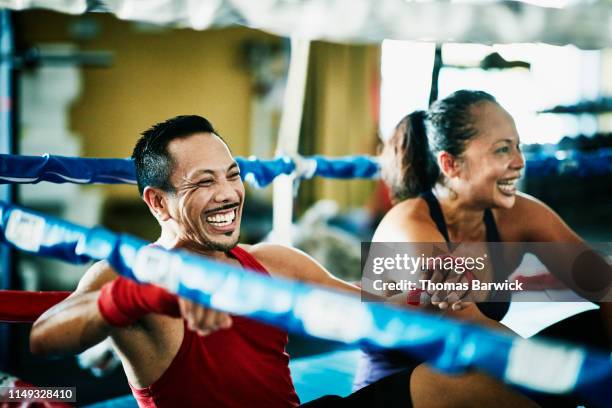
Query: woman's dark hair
[448, 126]
[412, 168]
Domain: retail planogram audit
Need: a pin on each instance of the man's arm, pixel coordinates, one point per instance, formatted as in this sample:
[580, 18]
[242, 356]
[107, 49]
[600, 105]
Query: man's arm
[292, 263]
[75, 324]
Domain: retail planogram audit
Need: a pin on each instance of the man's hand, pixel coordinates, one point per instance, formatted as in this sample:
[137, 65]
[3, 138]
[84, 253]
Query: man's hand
[202, 320]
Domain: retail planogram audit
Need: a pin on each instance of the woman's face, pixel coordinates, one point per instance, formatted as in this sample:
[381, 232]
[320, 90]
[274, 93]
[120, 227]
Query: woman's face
[492, 161]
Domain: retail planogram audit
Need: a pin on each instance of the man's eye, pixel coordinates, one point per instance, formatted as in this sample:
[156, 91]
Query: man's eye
[204, 183]
[234, 175]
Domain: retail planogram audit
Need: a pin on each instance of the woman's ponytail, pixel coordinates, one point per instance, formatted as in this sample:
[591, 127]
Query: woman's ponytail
[410, 167]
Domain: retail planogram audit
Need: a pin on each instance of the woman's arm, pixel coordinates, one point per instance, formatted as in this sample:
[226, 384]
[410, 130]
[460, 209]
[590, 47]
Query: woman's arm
[410, 222]
[568, 257]
[536, 222]
[562, 251]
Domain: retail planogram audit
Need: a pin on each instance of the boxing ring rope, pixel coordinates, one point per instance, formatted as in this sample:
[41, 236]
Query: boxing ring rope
[20, 306]
[60, 169]
[448, 345]
[260, 173]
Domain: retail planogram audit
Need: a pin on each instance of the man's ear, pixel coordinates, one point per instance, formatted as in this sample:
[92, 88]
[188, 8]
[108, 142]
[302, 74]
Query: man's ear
[157, 202]
[449, 164]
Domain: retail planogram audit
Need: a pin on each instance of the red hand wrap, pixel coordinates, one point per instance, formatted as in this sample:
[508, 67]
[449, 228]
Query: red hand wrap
[122, 302]
[414, 297]
[469, 276]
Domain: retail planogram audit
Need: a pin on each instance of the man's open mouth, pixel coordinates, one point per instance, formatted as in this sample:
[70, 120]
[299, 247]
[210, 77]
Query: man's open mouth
[223, 217]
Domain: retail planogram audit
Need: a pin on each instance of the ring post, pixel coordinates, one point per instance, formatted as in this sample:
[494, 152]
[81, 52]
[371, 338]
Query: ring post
[288, 138]
[6, 146]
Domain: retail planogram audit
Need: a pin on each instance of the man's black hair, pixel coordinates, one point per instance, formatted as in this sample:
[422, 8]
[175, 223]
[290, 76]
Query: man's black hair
[151, 158]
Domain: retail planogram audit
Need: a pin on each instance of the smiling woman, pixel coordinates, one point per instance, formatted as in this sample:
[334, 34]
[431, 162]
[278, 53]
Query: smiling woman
[492, 163]
[411, 166]
[452, 172]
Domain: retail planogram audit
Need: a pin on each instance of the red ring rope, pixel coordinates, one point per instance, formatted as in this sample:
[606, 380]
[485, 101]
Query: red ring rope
[18, 306]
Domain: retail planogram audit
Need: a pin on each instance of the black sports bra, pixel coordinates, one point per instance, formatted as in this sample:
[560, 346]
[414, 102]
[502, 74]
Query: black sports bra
[493, 310]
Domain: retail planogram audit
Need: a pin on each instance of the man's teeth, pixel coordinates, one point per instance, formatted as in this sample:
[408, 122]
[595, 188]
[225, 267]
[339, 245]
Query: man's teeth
[222, 220]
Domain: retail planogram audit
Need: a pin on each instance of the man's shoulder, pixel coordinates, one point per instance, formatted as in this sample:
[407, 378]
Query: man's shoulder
[96, 276]
[278, 259]
[266, 251]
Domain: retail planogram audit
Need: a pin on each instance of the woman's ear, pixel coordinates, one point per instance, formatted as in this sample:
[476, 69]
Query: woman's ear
[449, 164]
[157, 202]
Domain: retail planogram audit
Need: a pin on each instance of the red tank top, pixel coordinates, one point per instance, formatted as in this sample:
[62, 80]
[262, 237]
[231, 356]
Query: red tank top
[243, 366]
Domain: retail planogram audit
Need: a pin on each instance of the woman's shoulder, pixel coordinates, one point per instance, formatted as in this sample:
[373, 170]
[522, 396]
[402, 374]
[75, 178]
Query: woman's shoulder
[408, 220]
[411, 207]
[525, 206]
[530, 219]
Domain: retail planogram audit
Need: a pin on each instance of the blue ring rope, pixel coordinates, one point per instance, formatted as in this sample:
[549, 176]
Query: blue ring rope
[59, 169]
[16, 169]
[448, 345]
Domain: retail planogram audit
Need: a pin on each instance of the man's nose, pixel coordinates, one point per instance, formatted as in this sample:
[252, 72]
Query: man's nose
[225, 192]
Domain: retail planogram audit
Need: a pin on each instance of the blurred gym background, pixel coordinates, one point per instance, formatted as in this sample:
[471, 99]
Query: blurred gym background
[87, 85]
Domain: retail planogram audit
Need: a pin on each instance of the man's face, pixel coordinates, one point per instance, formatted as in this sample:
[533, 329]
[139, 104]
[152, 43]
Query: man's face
[209, 194]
